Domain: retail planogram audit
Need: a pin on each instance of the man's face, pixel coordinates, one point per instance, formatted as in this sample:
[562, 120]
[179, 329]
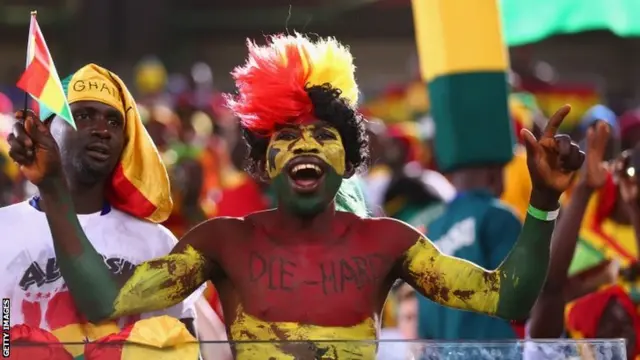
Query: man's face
[408, 318]
[91, 153]
[306, 164]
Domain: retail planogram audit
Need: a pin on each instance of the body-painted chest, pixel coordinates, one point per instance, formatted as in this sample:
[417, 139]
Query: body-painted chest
[319, 284]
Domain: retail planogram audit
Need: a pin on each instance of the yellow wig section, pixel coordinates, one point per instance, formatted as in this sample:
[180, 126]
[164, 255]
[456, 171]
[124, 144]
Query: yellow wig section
[331, 62]
[272, 83]
[326, 61]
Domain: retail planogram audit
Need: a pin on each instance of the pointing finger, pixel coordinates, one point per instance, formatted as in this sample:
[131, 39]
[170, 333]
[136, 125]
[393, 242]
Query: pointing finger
[556, 120]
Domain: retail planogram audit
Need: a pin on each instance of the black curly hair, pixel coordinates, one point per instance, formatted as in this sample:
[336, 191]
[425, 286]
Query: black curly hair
[328, 106]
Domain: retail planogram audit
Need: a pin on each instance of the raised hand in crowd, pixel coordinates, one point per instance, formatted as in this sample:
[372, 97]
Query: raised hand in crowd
[547, 316]
[35, 150]
[553, 159]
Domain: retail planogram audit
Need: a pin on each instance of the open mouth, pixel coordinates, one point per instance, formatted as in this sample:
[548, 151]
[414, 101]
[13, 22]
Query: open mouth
[306, 176]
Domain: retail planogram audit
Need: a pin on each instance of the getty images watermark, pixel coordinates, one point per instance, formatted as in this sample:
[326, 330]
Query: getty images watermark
[6, 317]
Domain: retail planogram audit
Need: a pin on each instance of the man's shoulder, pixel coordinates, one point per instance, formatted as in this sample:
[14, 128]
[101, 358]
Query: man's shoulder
[388, 232]
[383, 222]
[136, 225]
[10, 213]
[130, 220]
[222, 229]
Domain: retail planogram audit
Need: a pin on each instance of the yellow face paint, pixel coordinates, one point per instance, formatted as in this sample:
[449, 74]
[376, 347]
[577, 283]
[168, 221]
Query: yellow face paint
[351, 342]
[451, 281]
[324, 142]
[161, 283]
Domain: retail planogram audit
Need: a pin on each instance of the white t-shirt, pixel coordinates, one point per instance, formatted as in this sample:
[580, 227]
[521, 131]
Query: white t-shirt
[30, 278]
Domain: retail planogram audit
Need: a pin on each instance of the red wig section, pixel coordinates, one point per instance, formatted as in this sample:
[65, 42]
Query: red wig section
[271, 84]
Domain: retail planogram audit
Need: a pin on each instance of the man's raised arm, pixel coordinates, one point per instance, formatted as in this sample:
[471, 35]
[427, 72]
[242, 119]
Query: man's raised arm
[154, 285]
[510, 290]
[99, 295]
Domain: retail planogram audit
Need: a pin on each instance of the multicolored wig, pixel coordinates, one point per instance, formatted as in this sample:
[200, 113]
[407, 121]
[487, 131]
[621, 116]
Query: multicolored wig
[291, 78]
[273, 83]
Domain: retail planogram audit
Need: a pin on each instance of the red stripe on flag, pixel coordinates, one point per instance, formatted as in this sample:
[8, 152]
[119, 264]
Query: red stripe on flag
[34, 79]
[124, 196]
[611, 241]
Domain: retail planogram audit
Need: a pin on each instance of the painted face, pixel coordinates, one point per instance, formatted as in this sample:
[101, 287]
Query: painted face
[306, 164]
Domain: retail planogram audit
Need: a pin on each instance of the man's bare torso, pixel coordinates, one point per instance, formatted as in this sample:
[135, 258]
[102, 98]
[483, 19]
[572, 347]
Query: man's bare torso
[338, 278]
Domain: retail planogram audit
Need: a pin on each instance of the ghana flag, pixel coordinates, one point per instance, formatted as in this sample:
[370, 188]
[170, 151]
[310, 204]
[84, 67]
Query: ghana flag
[601, 239]
[464, 62]
[40, 79]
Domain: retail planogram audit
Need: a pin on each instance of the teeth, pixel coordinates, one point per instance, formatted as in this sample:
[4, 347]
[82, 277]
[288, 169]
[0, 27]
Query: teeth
[306, 166]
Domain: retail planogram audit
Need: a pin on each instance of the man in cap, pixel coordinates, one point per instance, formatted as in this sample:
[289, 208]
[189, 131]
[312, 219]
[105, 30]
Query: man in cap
[120, 192]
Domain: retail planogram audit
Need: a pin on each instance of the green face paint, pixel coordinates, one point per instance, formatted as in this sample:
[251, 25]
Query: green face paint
[307, 204]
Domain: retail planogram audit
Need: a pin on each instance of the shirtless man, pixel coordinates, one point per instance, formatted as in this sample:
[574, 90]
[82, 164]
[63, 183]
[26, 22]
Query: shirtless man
[304, 271]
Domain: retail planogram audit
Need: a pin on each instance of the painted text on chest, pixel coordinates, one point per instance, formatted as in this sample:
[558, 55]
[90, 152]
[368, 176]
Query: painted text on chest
[312, 283]
[332, 276]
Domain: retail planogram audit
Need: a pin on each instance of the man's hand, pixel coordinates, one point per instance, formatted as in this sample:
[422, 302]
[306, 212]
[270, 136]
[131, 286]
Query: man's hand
[552, 161]
[595, 171]
[34, 149]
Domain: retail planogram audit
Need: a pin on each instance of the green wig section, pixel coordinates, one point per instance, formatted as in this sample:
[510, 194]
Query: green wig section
[350, 197]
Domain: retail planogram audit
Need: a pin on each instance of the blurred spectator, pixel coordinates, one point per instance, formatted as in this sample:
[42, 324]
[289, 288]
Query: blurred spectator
[379, 175]
[411, 188]
[476, 227]
[630, 128]
[405, 301]
[594, 114]
[598, 312]
[517, 183]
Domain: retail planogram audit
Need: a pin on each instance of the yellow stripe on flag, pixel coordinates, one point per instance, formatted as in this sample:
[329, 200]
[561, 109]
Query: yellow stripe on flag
[458, 36]
[52, 96]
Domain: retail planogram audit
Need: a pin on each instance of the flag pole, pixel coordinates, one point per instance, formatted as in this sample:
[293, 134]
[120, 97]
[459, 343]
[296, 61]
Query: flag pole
[30, 44]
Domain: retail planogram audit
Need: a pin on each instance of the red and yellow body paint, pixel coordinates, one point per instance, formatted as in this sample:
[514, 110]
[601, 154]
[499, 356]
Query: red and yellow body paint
[161, 283]
[292, 340]
[451, 281]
